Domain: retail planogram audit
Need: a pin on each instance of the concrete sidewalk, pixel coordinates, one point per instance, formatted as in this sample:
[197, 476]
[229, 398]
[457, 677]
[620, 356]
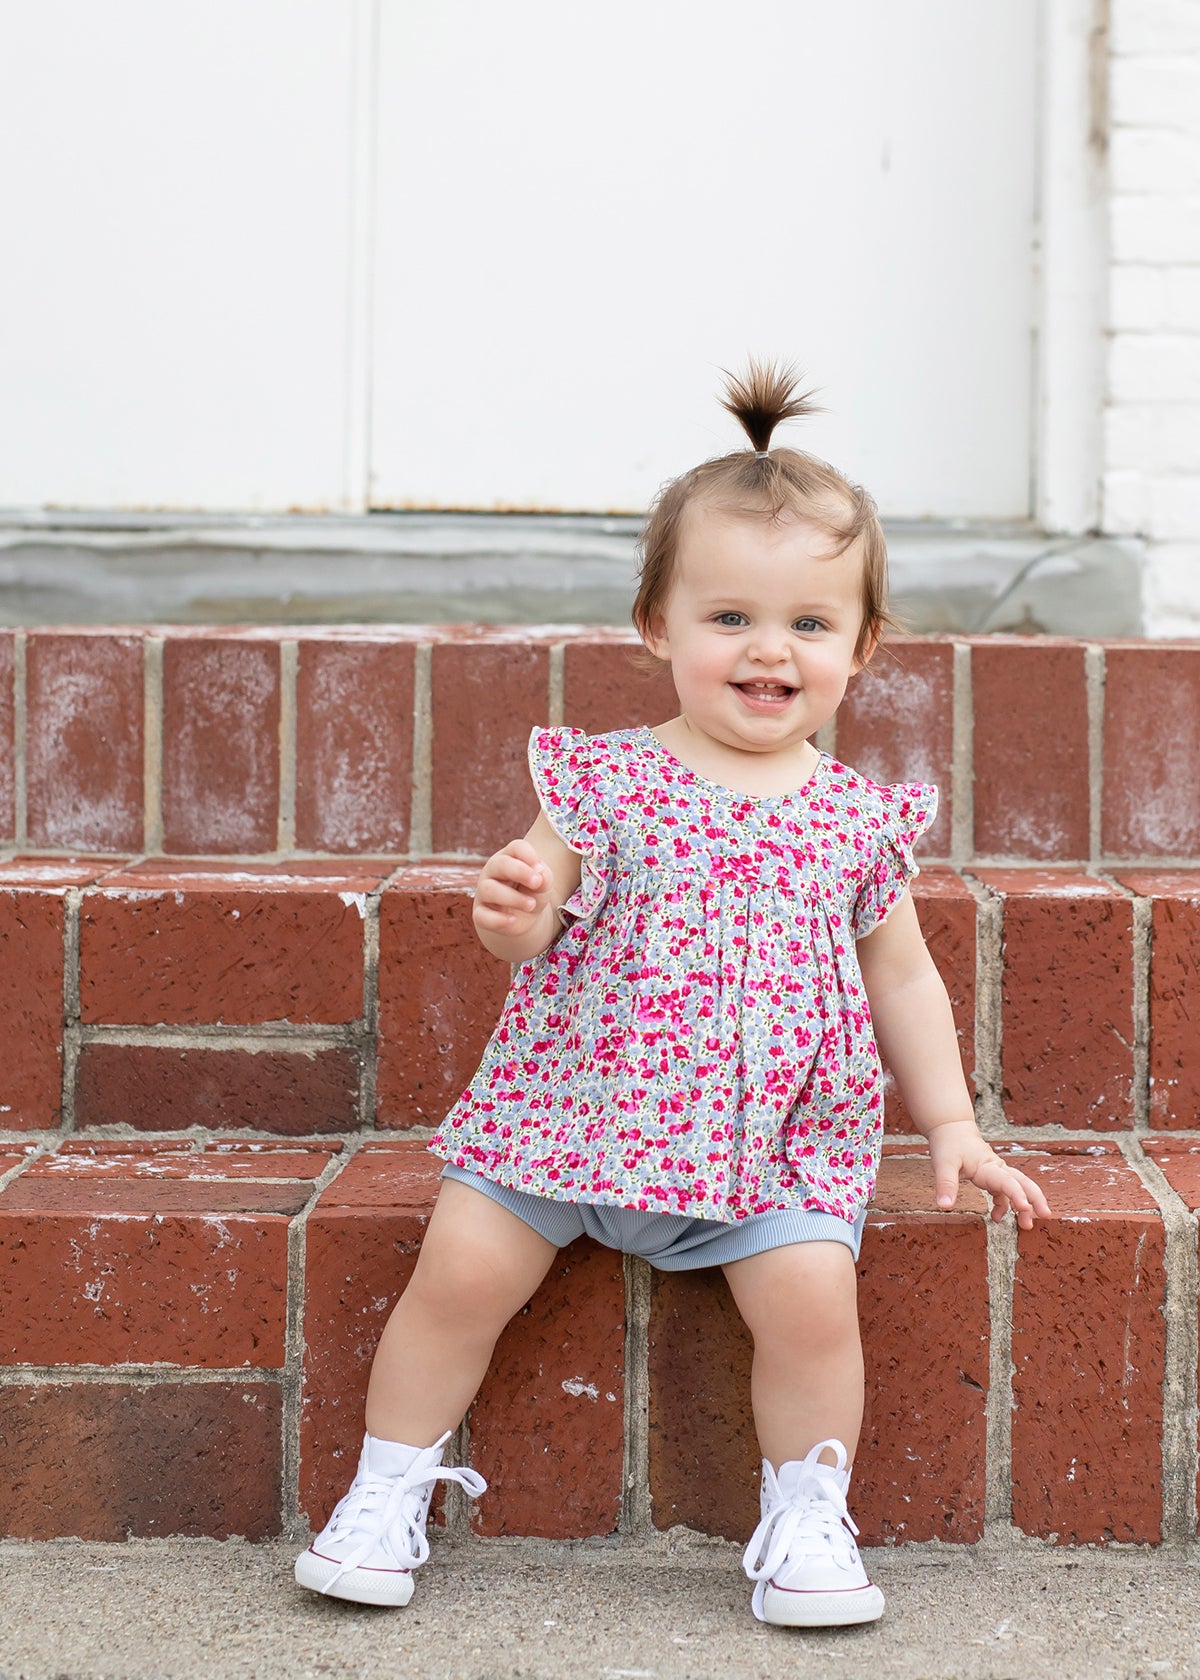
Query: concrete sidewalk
[527, 1610]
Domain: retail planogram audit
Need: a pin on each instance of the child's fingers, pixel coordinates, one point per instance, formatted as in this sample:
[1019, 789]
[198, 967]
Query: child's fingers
[945, 1183]
[519, 864]
[1012, 1189]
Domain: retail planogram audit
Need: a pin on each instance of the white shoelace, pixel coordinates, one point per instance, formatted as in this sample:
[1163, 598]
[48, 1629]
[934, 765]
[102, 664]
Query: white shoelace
[813, 1520]
[389, 1511]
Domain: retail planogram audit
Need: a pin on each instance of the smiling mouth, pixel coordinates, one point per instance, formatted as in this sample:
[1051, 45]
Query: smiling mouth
[765, 690]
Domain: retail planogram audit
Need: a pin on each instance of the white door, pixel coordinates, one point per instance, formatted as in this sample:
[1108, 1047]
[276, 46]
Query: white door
[585, 211]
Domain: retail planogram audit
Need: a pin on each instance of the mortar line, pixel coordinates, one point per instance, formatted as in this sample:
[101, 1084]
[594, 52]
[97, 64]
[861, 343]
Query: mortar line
[1181, 1409]
[636, 1518]
[292, 1375]
[962, 776]
[135, 1376]
[263, 1037]
[1002, 1265]
[1094, 669]
[20, 742]
[72, 902]
[289, 662]
[989, 1005]
[556, 664]
[152, 747]
[420, 830]
[1141, 942]
[368, 1055]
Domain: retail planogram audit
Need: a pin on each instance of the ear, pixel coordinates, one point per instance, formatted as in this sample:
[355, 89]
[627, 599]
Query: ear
[863, 659]
[654, 638]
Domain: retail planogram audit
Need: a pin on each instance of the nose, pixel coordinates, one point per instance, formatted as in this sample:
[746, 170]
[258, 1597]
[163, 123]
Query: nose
[768, 646]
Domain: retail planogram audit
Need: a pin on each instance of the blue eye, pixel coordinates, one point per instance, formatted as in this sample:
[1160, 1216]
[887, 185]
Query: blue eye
[807, 625]
[731, 620]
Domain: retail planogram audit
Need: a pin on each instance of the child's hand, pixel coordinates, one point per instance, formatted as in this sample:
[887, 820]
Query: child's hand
[513, 890]
[958, 1151]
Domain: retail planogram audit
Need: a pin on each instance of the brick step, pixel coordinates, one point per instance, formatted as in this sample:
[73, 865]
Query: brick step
[186, 1329]
[411, 739]
[324, 996]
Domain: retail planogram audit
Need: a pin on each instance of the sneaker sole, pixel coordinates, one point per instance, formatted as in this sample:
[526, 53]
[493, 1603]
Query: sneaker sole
[786, 1608]
[388, 1588]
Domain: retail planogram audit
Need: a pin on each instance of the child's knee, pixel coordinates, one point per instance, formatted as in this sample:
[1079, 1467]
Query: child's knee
[804, 1294]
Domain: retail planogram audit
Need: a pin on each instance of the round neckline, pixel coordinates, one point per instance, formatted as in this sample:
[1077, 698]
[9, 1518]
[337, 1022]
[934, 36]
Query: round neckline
[734, 793]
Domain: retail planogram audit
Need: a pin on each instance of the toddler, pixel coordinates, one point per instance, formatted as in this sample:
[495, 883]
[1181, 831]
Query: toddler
[713, 929]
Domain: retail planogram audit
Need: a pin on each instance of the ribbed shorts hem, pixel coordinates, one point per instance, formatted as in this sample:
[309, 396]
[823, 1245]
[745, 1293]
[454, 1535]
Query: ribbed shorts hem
[671, 1242]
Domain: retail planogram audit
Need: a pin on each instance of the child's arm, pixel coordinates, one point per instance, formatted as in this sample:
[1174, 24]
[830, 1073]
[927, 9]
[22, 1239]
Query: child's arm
[915, 1033]
[518, 890]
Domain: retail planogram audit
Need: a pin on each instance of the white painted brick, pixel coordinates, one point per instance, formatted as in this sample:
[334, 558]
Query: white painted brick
[1157, 439]
[1181, 298]
[1158, 367]
[1154, 160]
[1126, 503]
[1155, 230]
[1154, 26]
[1136, 297]
[1177, 438]
[1155, 92]
[1171, 589]
[1174, 508]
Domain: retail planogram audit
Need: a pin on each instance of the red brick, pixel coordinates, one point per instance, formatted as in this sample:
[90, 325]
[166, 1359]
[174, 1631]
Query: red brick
[896, 724]
[158, 1088]
[923, 1305]
[947, 911]
[359, 1255]
[8, 771]
[487, 696]
[1031, 748]
[85, 740]
[31, 1005]
[610, 683]
[440, 995]
[56, 873]
[547, 1428]
[1151, 751]
[1067, 999]
[394, 1175]
[1174, 983]
[103, 1461]
[247, 947]
[1088, 1355]
[354, 724]
[1179, 1159]
[96, 1270]
[220, 767]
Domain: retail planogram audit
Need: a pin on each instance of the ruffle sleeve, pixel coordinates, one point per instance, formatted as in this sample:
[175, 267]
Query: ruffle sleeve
[563, 763]
[905, 812]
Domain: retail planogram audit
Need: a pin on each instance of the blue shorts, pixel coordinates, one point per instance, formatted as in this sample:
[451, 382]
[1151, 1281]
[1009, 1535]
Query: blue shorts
[671, 1241]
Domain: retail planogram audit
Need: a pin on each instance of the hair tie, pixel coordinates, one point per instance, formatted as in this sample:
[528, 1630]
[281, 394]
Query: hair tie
[762, 454]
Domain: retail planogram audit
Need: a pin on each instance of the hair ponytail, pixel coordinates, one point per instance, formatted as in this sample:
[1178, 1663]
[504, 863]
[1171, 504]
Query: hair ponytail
[764, 396]
[766, 484]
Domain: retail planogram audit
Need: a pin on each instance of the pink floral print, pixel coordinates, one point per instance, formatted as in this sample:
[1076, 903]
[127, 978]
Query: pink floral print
[697, 1041]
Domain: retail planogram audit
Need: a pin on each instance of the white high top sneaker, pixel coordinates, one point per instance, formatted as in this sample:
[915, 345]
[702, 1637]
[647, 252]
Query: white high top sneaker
[802, 1557]
[375, 1538]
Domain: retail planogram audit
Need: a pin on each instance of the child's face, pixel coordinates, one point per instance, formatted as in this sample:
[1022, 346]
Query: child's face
[760, 627]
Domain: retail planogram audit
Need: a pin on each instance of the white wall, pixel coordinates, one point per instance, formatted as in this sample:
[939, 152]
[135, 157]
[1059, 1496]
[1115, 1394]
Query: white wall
[174, 294]
[223, 295]
[1152, 414]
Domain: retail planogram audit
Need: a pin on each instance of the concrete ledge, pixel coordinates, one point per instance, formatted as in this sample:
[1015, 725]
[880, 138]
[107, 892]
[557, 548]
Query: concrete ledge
[87, 568]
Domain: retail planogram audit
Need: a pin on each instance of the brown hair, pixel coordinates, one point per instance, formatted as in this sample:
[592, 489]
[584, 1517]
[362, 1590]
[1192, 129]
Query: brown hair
[772, 483]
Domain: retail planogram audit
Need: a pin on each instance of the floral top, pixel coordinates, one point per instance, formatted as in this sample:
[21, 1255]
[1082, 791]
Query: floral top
[697, 1040]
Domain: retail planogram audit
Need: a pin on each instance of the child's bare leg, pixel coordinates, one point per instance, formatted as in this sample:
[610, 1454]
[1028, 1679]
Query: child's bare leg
[800, 1306]
[478, 1265]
